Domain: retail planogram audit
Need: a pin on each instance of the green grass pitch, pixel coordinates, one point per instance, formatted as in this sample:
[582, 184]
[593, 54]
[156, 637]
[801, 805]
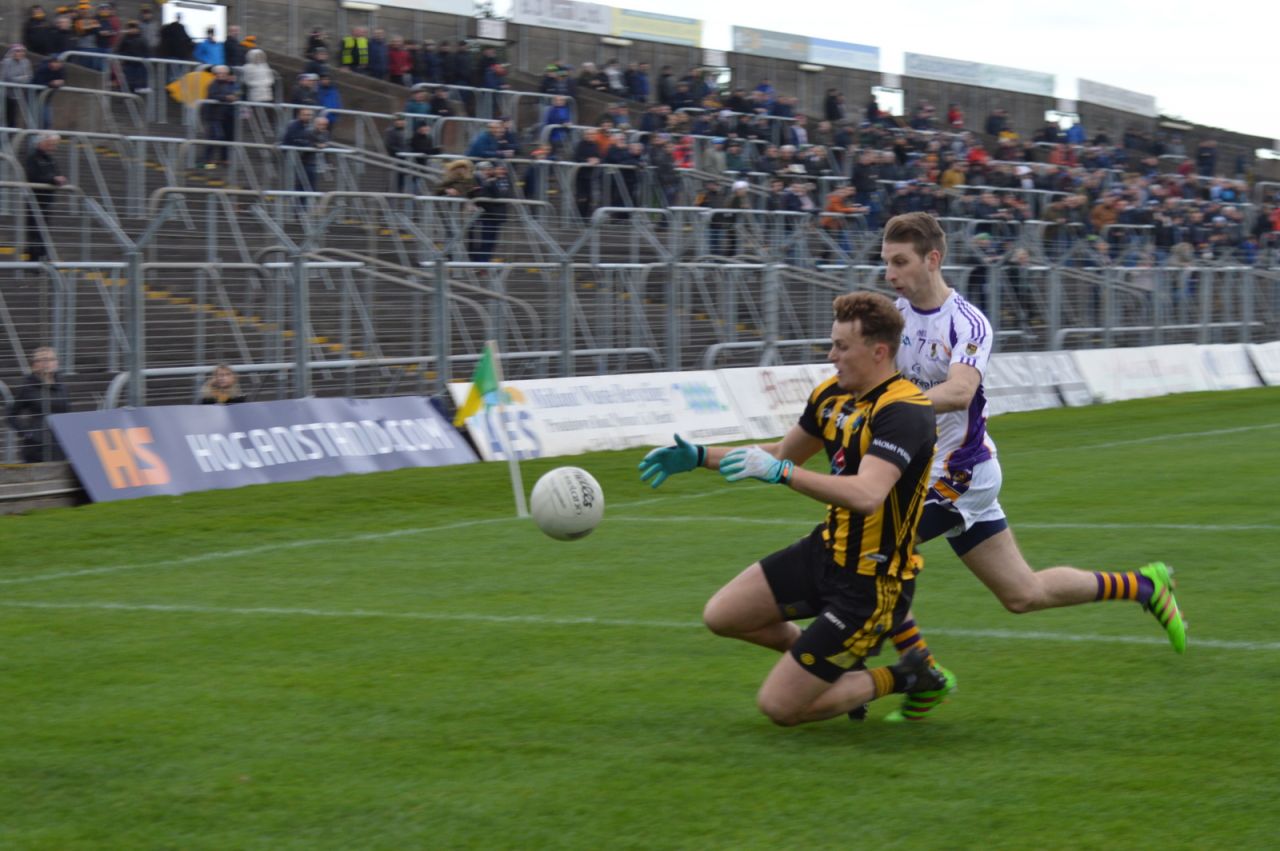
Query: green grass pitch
[393, 662]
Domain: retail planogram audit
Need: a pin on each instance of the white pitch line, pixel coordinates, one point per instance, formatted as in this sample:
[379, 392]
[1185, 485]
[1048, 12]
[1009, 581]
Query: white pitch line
[304, 543]
[1155, 438]
[540, 620]
[813, 520]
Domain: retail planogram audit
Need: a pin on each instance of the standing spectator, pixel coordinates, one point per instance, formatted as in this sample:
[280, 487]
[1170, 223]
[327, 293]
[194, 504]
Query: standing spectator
[955, 117]
[833, 106]
[493, 188]
[399, 62]
[210, 51]
[259, 79]
[316, 39]
[664, 168]
[38, 397]
[586, 152]
[36, 30]
[463, 76]
[713, 158]
[439, 105]
[328, 98]
[41, 168]
[52, 75]
[379, 55]
[459, 179]
[299, 134]
[233, 49]
[222, 388]
[488, 59]
[318, 63]
[1207, 158]
[614, 78]
[666, 86]
[355, 50]
[304, 93]
[422, 142]
[558, 117]
[133, 48]
[534, 182]
[150, 29]
[997, 122]
[418, 108]
[485, 145]
[840, 202]
[428, 66]
[175, 44]
[712, 198]
[219, 115]
[62, 38]
[14, 68]
[638, 81]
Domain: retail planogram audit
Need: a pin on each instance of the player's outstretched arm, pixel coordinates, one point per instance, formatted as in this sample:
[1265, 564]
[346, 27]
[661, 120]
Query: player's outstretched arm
[681, 457]
[863, 493]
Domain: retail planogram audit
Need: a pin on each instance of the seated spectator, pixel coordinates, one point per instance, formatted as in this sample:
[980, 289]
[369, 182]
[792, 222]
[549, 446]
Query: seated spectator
[40, 395]
[222, 388]
[259, 79]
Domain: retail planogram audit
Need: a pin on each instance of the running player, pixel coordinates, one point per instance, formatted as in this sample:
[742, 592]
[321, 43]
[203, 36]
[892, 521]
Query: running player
[855, 573]
[945, 347]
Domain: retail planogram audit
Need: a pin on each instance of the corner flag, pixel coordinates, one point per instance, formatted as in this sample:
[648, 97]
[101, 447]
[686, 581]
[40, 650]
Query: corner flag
[484, 388]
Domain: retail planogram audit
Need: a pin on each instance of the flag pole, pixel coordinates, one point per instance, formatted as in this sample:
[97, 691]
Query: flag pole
[513, 466]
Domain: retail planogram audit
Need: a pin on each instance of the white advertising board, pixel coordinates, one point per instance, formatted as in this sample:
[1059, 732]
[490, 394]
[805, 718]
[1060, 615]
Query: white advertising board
[1266, 358]
[769, 399]
[564, 15]
[1117, 98]
[566, 416]
[1228, 367]
[1116, 374]
[1017, 382]
[196, 18]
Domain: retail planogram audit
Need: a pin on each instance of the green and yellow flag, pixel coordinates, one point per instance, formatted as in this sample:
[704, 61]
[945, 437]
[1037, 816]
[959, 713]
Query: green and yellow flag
[484, 388]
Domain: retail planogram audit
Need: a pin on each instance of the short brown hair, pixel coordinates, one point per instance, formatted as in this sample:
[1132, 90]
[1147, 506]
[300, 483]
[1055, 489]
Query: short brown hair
[921, 230]
[880, 320]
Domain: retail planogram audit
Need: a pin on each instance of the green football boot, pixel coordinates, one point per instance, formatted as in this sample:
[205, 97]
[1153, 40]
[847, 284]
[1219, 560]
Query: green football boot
[1164, 605]
[938, 682]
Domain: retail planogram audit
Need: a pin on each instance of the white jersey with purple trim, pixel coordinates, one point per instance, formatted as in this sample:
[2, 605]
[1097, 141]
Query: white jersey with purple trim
[932, 341]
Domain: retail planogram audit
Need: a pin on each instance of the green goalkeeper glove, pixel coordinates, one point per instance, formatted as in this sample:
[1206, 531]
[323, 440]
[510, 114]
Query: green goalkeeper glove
[669, 460]
[752, 462]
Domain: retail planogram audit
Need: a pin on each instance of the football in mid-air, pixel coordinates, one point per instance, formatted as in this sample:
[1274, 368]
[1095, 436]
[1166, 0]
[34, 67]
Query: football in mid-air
[567, 503]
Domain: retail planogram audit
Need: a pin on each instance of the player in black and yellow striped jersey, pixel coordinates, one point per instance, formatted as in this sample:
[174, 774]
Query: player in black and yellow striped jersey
[855, 573]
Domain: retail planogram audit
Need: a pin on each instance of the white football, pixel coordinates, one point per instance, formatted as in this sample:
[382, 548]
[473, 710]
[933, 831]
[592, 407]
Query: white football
[567, 503]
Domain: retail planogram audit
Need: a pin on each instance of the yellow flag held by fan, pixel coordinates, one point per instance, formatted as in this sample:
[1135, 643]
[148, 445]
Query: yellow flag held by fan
[484, 388]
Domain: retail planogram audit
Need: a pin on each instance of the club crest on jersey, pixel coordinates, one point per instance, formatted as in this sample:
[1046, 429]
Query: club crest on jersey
[971, 349]
[837, 462]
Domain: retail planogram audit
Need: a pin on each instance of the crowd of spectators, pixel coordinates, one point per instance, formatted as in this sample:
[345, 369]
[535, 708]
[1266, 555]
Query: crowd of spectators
[680, 137]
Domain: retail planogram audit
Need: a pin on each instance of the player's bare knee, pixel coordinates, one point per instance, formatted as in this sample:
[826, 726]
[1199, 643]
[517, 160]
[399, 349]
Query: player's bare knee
[780, 712]
[718, 620]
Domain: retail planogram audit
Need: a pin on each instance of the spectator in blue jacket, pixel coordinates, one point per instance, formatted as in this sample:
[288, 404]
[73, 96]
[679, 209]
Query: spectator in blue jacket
[558, 113]
[329, 99]
[485, 146]
[211, 51]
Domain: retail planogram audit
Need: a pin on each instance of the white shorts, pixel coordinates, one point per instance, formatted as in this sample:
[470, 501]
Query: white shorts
[974, 494]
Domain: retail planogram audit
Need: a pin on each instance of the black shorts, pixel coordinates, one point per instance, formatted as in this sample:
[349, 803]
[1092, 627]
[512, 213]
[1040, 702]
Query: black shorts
[852, 612]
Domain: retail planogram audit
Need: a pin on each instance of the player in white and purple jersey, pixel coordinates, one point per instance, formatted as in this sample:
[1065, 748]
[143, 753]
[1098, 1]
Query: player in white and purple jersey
[945, 348]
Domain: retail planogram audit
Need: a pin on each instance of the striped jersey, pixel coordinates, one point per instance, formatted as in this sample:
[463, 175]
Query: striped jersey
[894, 422]
[932, 341]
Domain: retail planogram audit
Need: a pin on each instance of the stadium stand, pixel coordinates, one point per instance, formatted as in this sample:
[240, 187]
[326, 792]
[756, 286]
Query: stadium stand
[595, 227]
